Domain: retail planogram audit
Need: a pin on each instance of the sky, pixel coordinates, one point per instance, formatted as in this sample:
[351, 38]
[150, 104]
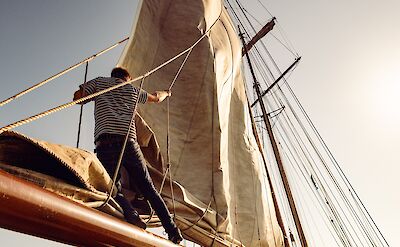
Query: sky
[347, 81]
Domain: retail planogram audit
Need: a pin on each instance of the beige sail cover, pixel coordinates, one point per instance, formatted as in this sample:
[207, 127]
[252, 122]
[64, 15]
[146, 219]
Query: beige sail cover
[213, 152]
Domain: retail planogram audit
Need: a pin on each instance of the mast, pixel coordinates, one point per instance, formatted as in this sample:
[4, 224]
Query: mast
[276, 151]
[274, 200]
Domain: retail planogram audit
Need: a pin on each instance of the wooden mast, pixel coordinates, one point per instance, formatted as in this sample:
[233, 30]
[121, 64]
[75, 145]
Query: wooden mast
[276, 151]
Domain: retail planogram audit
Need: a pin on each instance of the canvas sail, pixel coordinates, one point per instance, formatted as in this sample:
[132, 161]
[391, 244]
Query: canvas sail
[213, 152]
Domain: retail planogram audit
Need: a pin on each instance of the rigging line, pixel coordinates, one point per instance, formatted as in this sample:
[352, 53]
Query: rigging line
[60, 73]
[332, 208]
[234, 170]
[292, 176]
[280, 193]
[64, 106]
[312, 190]
[180, 69]
[251, 25]
[264, 71]
[277, 194]
[325, 165]
[169, 170]
[285, 37]
[252, 16]
[298, 120]
[168, 146]
[238, 19]
[265, 8]
[295, 54]
[168, 127]
[321, 201]
[248, 57]
[369, 225]
[72, 103]
[292, 50]
[298, 140]
[298, 206]
[274, 36]
[293, 132]
[199, 219]
[300, 143]
[81, 111]
[118, 167]
[277, 185]
[342, 174]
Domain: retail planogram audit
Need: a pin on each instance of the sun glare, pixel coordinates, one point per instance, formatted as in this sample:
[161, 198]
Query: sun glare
[386, 103]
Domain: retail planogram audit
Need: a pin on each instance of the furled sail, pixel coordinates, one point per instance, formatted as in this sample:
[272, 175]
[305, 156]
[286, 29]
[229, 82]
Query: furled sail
[213, 152]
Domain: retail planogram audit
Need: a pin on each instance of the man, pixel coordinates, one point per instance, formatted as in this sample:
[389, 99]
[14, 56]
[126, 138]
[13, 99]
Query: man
[113, 113]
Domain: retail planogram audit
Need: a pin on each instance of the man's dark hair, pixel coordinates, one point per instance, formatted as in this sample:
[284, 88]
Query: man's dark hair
[119, 72]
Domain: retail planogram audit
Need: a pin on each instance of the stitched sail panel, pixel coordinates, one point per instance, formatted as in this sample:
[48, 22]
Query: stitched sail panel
[214, 155]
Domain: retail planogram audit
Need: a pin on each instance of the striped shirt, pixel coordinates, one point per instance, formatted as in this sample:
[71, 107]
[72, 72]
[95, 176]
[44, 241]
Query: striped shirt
[113, 110]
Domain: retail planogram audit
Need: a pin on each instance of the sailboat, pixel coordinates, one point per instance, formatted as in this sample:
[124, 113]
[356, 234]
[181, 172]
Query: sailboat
[204, 148]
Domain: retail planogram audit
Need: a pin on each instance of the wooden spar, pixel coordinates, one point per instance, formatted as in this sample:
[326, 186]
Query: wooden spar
[268, 27]
[27, 208]
[276, 153]
[275, 201]
[277, 80]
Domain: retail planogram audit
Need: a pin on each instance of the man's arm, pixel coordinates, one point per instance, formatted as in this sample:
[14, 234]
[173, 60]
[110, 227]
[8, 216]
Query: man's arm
[80, 94]
[86, 89]
[158, 96]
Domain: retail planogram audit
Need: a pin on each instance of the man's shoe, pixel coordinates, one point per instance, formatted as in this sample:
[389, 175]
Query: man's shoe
[133, 218]
[175, 235]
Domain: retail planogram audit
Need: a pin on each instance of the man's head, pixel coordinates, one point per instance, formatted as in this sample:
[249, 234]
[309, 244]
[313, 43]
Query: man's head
[122, 73]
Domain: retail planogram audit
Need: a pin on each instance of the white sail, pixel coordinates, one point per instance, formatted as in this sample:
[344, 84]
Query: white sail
[213, 152]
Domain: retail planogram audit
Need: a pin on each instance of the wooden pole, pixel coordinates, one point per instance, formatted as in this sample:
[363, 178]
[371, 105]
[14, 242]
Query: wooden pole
[27, 208]
[276, 153]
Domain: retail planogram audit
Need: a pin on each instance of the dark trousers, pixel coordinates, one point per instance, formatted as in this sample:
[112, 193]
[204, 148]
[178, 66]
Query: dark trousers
[108, 151]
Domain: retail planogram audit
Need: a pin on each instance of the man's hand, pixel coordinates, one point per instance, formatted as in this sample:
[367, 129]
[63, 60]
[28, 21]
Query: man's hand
[80, 94]
[159, 96]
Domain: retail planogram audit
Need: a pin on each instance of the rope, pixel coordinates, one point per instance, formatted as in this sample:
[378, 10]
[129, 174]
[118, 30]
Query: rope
[169, 171]
[180, 69]
[168, 135]
[121, 155]
[64, 106]
[61, 73]
[81, 112]
[67, 105]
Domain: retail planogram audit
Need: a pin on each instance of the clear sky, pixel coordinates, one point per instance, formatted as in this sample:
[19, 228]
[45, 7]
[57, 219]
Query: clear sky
[348, 79]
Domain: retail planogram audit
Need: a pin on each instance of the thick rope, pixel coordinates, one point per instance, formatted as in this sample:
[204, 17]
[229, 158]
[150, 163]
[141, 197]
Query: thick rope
[60, 73]
[64, 106]
[67, 105]
[81, 111]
